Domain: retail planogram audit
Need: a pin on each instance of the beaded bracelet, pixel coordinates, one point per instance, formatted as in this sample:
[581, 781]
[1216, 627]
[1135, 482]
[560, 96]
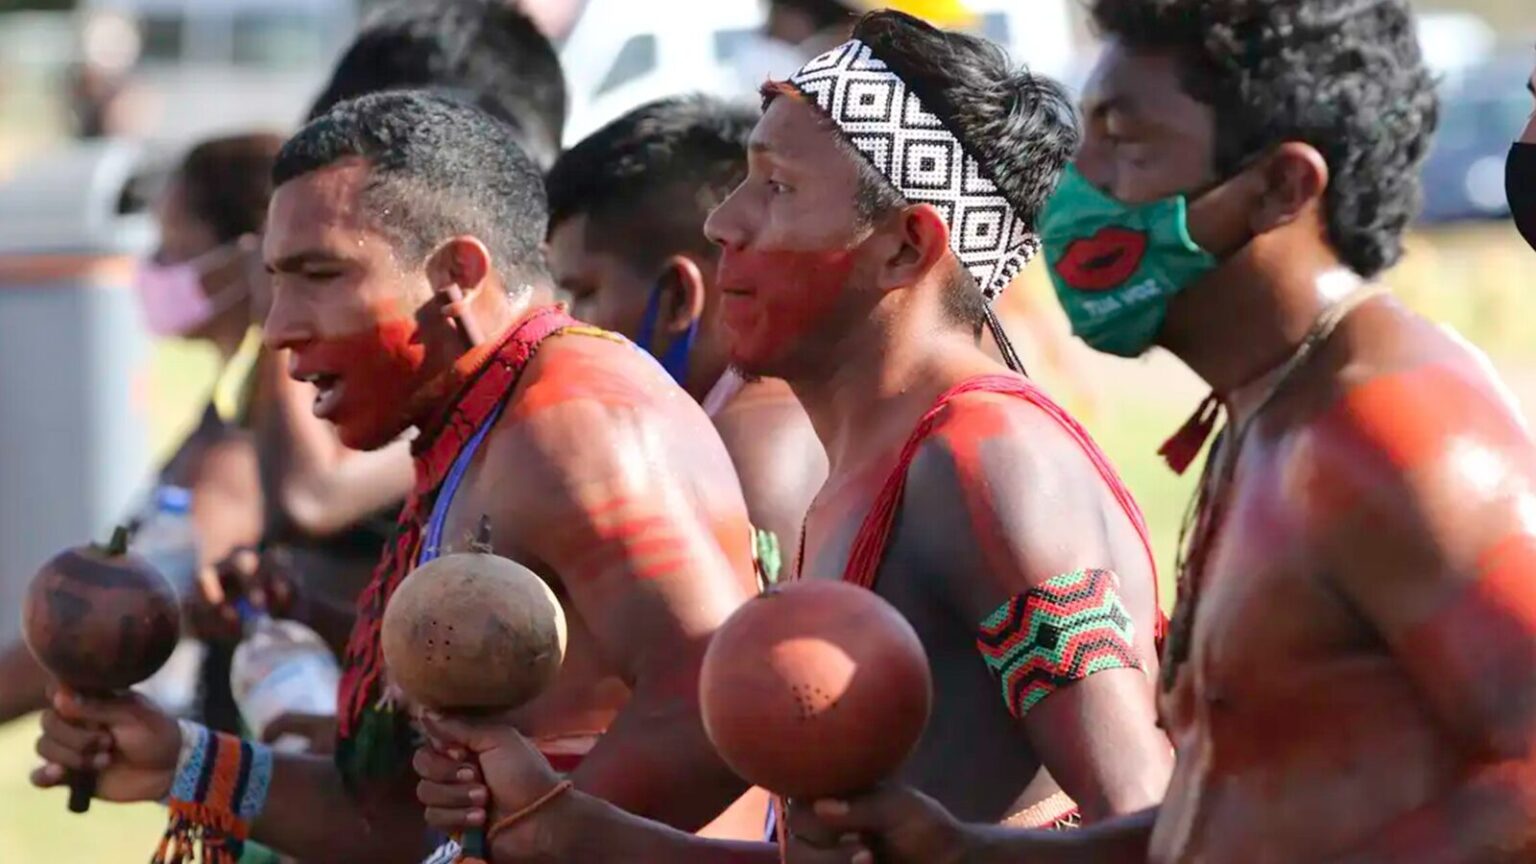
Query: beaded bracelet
[529, 809]
[220, 787]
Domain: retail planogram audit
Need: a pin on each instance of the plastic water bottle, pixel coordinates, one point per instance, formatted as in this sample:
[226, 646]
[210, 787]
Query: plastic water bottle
[167, 539]
[282, 667]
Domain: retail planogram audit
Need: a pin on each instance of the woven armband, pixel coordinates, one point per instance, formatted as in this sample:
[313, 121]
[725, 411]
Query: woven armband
[220, 788]
[1061, 632]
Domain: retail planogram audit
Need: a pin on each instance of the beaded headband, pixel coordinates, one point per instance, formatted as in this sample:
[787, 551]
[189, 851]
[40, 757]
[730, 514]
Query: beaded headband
[881, 116]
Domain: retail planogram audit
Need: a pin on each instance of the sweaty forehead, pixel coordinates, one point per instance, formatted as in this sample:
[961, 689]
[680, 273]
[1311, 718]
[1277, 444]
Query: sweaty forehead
[1145, 87]
[319, 205]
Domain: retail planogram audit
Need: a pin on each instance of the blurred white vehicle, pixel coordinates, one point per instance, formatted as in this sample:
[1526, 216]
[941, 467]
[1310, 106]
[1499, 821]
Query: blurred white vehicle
[213, 67]
[622, 53]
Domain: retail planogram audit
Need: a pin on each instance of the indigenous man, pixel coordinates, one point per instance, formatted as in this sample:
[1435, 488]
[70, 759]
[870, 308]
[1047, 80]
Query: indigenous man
[328, 505]
[485, 52]
[957, 491]
[1353, 674]
[626, 240]
[404, 242]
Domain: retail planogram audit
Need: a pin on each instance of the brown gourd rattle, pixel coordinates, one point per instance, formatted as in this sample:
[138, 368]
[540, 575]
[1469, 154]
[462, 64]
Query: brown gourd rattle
[473, 633]
[100, 620]
[815, 689]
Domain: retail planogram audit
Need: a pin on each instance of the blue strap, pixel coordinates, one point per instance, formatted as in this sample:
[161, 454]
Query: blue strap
[431, 545]
[675, 361]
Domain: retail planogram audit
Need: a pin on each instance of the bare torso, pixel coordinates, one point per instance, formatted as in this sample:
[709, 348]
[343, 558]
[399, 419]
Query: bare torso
[1289, 712]
[629, 392]
[778, 459]
[1299, 734]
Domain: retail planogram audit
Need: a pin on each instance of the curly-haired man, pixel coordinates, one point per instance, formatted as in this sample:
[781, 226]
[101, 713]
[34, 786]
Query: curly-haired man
[1351, 676]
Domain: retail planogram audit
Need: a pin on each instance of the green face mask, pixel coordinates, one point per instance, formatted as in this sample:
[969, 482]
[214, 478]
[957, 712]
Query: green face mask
[1115, 266]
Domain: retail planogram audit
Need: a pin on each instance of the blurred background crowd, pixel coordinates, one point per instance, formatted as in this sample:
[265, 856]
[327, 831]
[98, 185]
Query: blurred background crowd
[100, 98]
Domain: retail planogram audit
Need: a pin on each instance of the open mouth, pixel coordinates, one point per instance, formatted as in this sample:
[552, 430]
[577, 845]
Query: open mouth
[1103, 261]
[328, 390]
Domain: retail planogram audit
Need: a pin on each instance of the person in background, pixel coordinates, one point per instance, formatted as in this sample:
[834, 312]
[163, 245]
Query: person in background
[626, 241]
[201, 284]
[1520, 176]
[104, 99]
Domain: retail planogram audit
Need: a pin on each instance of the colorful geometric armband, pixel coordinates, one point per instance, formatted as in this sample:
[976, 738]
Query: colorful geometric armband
[1063, 631]
[220, 788]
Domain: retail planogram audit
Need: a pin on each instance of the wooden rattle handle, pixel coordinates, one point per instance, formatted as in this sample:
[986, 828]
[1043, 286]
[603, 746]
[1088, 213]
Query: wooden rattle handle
[82, 788]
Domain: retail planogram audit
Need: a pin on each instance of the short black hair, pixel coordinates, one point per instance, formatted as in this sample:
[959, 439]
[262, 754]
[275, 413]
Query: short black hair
[1022, 127]
[438, 169]
[488, 51]
[1346, 77]
[651, 177]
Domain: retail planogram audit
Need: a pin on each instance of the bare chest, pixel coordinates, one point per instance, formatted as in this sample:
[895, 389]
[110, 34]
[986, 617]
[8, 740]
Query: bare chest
[1263, 601]
[1289, 710]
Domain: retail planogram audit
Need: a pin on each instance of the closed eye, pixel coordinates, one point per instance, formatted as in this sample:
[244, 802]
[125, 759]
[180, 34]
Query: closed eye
[321, 274]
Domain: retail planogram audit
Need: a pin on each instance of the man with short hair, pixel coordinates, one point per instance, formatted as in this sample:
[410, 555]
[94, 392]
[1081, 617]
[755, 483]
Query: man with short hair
[318, 493]
[1351, 676]
[404, 240]
[626, 241]
[893, 188]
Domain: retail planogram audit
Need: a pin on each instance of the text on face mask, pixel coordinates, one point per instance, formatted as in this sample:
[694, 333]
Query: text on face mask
[1144, 290]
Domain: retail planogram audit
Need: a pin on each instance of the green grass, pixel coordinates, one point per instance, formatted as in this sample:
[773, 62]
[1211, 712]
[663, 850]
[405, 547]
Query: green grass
[37, 826]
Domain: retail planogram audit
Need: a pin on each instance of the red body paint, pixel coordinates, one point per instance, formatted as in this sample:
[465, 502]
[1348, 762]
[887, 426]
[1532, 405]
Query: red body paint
[1412, 417]
[775, 299]
[1367, 626]
[1401, 423]
[1497, 612]
[378, 373]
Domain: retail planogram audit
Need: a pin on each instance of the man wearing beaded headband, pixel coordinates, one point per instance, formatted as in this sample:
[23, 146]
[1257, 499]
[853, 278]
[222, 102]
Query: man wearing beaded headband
[892, 188]
[1353, 674]
[877, 168]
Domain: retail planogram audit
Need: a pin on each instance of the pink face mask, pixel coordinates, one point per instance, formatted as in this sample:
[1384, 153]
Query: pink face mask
[173, 298]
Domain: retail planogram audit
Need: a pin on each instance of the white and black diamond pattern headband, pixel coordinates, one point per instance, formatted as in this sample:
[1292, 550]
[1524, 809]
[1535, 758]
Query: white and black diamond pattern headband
[910, 146]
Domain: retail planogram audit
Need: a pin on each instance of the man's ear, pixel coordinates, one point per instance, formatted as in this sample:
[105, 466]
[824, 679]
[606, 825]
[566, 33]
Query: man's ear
[1294, 180]
[459, 270]
[917, 240]
[682, 289]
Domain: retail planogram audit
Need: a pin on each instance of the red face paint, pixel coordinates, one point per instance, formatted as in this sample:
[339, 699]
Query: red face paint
[775, 300]
[369, 381]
